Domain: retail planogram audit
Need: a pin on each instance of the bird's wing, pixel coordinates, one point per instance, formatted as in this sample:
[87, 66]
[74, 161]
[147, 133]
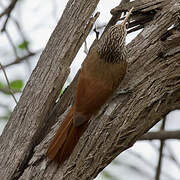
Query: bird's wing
[91, 94]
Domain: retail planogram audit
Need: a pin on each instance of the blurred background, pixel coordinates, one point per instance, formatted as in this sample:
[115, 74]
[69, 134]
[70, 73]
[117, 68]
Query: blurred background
[23, 35]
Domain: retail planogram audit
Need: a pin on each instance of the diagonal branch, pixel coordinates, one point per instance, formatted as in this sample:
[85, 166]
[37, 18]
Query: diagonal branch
[11, 43]
[10, 90]
[21, 59]
[9, 9]
[7, 12]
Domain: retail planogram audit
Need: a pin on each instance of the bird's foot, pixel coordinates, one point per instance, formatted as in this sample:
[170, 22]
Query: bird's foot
[124, 91]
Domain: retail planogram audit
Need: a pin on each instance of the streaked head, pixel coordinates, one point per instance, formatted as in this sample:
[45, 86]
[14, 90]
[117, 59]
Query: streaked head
[122, 27]
[111, 46]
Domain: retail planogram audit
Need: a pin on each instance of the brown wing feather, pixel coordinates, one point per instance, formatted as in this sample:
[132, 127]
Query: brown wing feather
[60, 136]
[65, 139]
[91, 94]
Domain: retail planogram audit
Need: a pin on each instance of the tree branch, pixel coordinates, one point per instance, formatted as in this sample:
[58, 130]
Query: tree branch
[161, 135]
[21, 59]
[27, 124]
[9, 8]
[10, 90]
[11, 43]
[7, 12]
[149, 164]
[158, 170]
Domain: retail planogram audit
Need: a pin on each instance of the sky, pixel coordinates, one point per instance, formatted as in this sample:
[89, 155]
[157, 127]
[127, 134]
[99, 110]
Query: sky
[38, 20]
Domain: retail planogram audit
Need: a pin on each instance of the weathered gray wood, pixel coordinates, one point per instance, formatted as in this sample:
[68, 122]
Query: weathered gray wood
[28, 121]
[144, 11]
[141, 5]
[154, 78]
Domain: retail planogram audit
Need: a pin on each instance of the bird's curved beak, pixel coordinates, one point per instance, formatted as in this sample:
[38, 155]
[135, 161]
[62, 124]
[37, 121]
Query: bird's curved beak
[127, 17]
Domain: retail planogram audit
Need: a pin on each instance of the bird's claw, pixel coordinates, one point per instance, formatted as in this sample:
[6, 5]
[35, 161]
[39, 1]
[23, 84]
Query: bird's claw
[124, 91]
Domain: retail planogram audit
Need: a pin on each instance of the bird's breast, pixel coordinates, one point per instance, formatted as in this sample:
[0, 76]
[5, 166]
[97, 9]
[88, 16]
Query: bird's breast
[110, 73]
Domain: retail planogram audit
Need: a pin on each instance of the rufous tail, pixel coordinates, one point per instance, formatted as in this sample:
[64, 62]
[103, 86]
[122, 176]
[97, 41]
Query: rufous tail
[65, 139]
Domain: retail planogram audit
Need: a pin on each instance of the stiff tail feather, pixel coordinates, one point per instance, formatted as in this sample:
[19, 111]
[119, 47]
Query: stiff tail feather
[65, 139]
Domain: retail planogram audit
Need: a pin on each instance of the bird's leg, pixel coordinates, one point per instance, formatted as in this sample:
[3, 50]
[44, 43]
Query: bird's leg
[124, 91]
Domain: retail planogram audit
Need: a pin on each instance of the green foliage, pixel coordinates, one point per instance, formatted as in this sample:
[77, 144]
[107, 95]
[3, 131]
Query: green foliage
[61, 92]
[4, 88]
[7, 112]
[16, 85]
[108, 175]
[1, 85]
[23, 45]
[6, 116]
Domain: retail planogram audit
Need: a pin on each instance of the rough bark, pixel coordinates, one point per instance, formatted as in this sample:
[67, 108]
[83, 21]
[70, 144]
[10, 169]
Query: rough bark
[29, 118]
[153, 77]
[161, 135]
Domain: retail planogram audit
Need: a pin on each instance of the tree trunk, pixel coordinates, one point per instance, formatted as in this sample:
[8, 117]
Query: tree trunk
[25, 129]
[153, 77]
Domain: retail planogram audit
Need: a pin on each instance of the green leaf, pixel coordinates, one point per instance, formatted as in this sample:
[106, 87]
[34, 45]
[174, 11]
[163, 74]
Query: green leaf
[16, 84]
[6, 117]
[61, 92]
[4, 88]
[1, 85]
[107, 175]
[23, 45]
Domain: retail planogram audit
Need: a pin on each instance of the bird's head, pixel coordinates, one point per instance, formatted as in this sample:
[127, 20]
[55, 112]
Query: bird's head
[111, 46]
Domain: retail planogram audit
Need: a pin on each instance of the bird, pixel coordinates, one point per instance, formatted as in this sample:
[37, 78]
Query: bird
[101, 73]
